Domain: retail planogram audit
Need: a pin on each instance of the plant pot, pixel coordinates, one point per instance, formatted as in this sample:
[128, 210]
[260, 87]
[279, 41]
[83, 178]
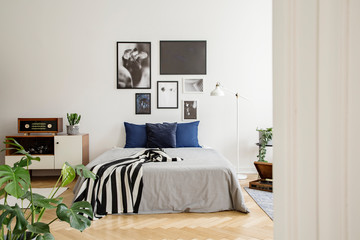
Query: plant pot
[260, 139]
[28, 235]
[72, 129]
[265, 182]
[264, 169]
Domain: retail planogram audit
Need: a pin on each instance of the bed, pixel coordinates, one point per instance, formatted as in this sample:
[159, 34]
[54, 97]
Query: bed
[205, 181]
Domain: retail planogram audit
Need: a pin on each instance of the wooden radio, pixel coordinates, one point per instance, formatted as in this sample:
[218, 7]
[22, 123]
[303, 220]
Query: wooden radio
[40, 125]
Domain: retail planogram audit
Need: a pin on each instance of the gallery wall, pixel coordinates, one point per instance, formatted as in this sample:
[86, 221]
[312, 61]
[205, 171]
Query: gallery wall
[60, 56]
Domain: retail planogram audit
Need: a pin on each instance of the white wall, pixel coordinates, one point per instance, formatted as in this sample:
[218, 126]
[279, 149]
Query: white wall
[60, 56]
[316, 119]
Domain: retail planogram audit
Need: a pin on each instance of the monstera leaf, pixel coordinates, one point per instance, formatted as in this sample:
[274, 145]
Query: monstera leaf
[74, 216]
[82, 171]
[41, 231]
[24, 161]
[39, 227]
[46, 236]
[13, 142]
[41, 201]
[10, 213]
[6, 210]
[68, 174]
[17, 180]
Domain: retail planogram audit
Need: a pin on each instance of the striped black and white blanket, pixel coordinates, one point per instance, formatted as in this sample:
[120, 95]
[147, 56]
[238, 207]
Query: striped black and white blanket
[118, 185]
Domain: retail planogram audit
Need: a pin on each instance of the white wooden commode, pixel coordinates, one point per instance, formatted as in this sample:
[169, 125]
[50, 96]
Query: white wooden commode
[53, 151]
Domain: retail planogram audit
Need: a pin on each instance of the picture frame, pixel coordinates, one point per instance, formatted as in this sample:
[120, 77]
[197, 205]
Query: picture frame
[143, 103]
[190, 110]
[193, 85]
[167, 94]
[133, 61]
[183, 57]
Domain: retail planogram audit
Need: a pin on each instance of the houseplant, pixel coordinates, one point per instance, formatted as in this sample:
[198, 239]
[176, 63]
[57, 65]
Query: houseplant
[25, 223]
[73, 127]
[265, 137]
[263, 167]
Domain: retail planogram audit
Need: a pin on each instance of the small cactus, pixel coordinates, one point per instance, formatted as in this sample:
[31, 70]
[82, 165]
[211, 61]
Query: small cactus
[73, 118]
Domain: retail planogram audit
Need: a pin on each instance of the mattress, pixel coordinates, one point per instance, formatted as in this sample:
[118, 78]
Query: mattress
[205, 181]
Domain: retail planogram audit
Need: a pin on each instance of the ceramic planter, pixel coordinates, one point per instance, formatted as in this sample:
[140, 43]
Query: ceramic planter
[72, 129]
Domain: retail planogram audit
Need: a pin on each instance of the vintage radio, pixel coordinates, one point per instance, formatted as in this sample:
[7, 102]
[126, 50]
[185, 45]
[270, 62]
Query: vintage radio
[40, 125]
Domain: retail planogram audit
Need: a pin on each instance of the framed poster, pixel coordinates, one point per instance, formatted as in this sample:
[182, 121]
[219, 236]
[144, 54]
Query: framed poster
[190, 108]
[182, 57]
[143, 103]
[133, 65]
[193, 85]
[167, 94]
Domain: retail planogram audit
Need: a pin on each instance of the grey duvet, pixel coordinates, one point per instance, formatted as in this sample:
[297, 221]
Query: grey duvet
[205, 181]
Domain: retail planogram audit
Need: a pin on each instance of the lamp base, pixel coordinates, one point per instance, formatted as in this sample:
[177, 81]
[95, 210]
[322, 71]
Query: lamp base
[241, 176]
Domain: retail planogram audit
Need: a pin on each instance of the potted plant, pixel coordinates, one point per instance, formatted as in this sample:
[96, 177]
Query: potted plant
[263, 167]
[25, 223]
[265, 138]
[73, 127]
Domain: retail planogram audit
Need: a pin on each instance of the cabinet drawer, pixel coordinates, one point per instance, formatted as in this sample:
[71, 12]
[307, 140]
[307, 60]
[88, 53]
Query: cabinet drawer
[46, 161]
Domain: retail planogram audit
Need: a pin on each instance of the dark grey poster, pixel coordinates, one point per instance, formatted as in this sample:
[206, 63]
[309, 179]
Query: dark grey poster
[182, 57]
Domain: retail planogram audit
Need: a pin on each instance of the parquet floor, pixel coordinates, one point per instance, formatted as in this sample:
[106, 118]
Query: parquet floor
[217, 226]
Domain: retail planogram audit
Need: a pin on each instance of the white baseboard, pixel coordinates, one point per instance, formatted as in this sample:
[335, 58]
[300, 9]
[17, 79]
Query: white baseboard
[247, 170]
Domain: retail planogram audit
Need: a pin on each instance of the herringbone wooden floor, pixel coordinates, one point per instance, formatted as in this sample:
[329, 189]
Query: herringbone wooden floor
[222, 225]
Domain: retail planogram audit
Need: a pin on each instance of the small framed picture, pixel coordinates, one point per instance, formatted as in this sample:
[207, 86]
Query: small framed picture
[190, 108]
[167, 94]
[133, 65]
[193, 85]
[143, 103]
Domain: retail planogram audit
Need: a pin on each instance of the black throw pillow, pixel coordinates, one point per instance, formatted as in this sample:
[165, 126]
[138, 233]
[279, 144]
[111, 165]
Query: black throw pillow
[161, 135]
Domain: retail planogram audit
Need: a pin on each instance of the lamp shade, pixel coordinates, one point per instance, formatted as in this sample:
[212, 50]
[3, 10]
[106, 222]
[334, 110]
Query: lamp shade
[217, 91]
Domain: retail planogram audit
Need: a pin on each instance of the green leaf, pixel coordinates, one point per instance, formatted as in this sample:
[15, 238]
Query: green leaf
[73, 118]
[21, 223]
[22, 163]
[28, 155]
[13, 142]
[83, 171]
[26, 160]
[68, 174]
[73, 215]
[10, 213]
[6, 211]
[46, 236]
[22, 151]
[41, 201]
[4, 149]
[18, 180]
[46, 202]
[39, 227]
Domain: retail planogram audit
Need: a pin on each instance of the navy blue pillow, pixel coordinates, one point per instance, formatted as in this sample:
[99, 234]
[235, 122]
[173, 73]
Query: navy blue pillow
[161, 135]
[187, 134]
[135, 135]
